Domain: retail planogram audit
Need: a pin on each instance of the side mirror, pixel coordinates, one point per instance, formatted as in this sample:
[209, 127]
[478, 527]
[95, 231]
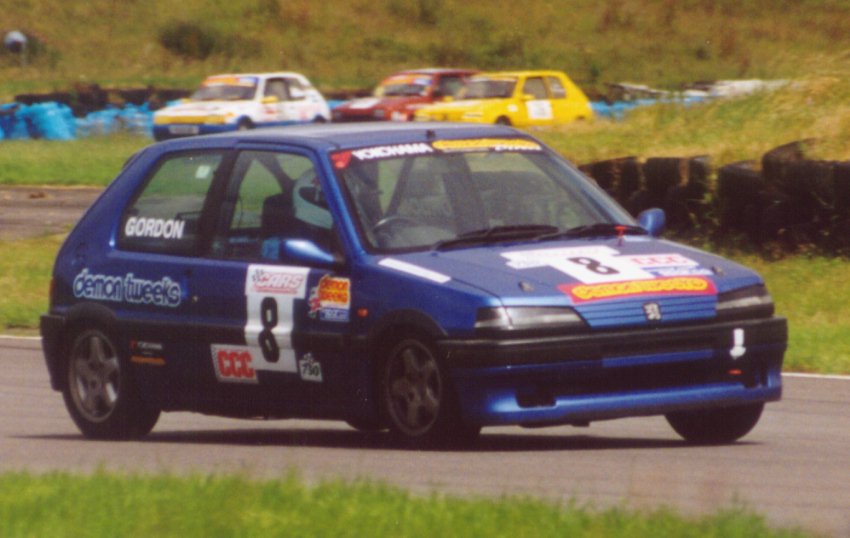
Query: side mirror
[300, 251]
[528, 97]
[653, 221]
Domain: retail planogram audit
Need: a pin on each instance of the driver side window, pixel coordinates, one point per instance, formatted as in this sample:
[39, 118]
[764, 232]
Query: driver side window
[276, 87]
[535, 87]
[271, 197]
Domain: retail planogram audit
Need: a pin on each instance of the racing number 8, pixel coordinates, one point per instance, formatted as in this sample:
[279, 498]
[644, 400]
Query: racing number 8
[594, 266]
[268, 317]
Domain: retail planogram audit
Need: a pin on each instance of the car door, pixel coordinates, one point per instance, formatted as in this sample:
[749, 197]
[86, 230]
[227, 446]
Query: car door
[538, 106]
[566, 107]
[276, 105]
[278, 323]
[291, 105]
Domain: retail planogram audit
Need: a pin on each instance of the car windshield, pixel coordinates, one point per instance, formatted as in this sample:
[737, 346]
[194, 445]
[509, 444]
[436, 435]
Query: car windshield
[488, 88]
[453, 193]
[226, 89]
[404, 86]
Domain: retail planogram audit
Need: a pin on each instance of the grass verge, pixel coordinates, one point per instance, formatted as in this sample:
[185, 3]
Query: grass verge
[813, 294]
[104, 504]
[86, 161]
[25, 269]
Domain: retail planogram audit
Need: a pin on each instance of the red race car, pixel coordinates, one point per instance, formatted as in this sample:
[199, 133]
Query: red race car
[397, 97]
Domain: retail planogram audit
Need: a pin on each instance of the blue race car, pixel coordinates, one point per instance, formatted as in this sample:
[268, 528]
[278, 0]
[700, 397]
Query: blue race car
[431, 279]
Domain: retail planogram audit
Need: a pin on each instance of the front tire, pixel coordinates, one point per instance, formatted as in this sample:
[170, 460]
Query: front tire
[100, 394]
[417, 397]
[716, 426]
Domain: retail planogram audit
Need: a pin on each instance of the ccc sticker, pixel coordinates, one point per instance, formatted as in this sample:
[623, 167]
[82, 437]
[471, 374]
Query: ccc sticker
[233, 364]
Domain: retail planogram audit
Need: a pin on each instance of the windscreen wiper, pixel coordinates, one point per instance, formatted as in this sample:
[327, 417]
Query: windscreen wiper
[496, 234]
[599, 229]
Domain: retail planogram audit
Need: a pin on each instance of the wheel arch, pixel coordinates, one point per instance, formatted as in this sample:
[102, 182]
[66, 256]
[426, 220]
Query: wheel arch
[389, 330]
[395, 324]
[79, 317]
[245, 120]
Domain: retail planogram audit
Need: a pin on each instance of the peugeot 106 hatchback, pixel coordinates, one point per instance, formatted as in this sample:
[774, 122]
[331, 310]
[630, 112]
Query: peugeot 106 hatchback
[242, 101]
[518, 98]
[429, 279]
[398, 96]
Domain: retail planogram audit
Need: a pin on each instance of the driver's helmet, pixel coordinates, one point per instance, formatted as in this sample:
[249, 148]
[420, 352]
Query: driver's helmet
[309, 202]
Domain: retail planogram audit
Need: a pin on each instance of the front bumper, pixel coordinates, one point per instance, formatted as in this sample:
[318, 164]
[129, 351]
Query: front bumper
[614, 374]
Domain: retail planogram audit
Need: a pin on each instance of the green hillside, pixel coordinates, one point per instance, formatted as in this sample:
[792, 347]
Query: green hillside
[352, 43]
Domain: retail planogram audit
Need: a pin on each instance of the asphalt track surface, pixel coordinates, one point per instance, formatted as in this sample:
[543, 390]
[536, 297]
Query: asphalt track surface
[794, 468]
[27, 211]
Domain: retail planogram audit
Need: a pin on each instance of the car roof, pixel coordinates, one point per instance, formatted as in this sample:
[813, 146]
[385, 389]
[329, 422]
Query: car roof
[434, 71]
[334, 136]
[537, 73]
[258, 75]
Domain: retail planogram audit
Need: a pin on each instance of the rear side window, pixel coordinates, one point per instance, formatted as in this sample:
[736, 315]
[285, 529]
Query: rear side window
[164, 216]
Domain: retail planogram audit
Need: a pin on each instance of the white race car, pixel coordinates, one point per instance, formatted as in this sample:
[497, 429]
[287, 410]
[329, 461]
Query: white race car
[243, 101]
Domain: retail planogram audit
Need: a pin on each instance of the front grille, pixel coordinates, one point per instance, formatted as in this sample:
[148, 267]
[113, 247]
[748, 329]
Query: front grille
[631, 312]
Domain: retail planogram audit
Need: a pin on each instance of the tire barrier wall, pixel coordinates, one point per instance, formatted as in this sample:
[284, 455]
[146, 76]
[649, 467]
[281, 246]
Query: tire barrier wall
[85, 111]
[55, 121]
[785, 201]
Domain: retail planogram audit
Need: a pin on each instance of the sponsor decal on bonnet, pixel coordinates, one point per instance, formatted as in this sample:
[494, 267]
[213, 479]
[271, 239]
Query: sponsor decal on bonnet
[696, 285]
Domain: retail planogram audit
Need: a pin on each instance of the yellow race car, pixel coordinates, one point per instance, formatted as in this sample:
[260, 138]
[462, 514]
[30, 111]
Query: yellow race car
[519, 98]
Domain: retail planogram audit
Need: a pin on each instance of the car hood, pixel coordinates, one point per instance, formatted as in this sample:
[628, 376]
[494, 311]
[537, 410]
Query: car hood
[194, 108]
[608, 282]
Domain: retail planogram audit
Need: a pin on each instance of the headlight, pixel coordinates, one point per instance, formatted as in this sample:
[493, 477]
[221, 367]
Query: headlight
[520, 318]
[749, 302]
[161, 120]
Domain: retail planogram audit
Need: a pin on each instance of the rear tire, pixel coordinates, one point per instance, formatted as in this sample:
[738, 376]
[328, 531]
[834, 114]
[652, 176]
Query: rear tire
[716, 426]
[417, 397]
[100, 394]
[503, 120]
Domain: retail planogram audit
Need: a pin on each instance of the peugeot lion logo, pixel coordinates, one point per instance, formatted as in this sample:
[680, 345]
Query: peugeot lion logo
[652, 311]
